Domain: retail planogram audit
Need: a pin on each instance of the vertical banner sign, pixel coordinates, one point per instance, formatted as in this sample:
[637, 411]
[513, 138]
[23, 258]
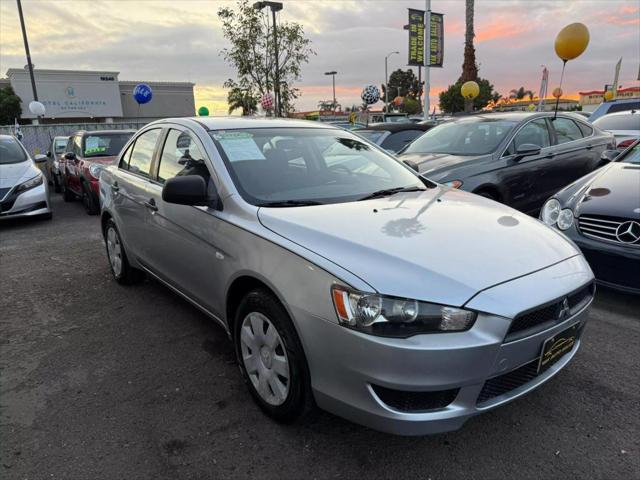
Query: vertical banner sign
[436, 47]
[416, 37]
[543, 89]
[614, 88]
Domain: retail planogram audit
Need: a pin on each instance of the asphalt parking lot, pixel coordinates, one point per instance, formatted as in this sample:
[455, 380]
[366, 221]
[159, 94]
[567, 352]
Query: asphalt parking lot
[102, 381]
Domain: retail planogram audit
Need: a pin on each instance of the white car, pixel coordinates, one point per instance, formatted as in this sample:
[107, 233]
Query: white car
[625, 127]
[23, 189]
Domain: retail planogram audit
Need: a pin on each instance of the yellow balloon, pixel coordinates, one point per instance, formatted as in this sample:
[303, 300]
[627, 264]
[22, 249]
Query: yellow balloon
[532, 107]
[572, 41]
[608, 96]
[470, 90]
[557, 92]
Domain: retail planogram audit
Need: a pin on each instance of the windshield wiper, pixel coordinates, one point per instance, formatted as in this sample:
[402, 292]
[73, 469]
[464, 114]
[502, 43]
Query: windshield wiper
[391, 191]
[289, 203]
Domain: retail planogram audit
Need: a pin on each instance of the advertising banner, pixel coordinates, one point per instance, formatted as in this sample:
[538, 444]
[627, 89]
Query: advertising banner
[436, 45]
[416, 37]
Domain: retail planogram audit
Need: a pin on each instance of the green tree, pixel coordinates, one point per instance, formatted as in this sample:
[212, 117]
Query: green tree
[451, 100]
[412, 106]
[9, 106]
[403, 83]
[520, 93]
[240, 98]
[252, 51]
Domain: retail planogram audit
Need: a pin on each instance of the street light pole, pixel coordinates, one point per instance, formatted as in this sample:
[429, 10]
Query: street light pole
[333, 75]
[427, 57]
[26, 49]
[386, 82]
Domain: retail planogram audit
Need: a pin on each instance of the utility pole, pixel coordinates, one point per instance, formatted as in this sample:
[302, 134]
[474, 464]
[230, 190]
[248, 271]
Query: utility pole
[275, 7]
[26, 49]
[427, 57]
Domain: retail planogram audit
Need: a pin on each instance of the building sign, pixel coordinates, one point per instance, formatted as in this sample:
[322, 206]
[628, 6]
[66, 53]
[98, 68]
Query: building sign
[416, 37]
[436, 44]
[69, 94]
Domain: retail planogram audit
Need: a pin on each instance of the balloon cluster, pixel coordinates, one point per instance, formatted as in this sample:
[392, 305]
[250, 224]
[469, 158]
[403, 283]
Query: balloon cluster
[267, 101]
[370, 94]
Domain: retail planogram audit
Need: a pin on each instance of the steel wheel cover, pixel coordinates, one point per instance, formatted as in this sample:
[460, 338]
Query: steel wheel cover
[265, 358]
[114, 250]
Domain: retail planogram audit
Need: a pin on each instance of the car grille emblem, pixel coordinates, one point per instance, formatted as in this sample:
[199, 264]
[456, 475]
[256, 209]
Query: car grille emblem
[628, 232]
[564, 309]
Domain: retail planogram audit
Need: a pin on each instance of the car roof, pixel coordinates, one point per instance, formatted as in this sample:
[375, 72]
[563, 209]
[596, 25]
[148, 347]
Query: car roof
[239, 123]
[623, 112]
[396, 127]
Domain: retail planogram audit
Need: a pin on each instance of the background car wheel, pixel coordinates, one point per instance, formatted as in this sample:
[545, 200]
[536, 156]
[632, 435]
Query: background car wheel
[89, 202]
[67, 194]
[124, 273]
[56, 184]
[486, 194]
[271, 357]
[47, 216]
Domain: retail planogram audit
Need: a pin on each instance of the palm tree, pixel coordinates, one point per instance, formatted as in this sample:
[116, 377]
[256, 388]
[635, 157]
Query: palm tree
[242, 98]
[520, 93]
[469, 67]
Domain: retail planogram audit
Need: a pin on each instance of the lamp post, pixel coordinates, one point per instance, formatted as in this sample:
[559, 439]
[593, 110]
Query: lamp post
[386, 82]
[275, 7]
[26, 49]
[333, 75]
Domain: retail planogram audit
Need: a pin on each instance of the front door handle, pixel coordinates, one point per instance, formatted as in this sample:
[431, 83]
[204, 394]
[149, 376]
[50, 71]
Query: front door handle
[589, 147]
[151, 205]
[550, 155]
[115, 187]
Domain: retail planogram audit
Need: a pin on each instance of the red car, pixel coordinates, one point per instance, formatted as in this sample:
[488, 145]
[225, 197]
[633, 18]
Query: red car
[86, 154]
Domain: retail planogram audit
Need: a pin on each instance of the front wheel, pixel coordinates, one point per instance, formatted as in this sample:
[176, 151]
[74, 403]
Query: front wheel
[67, 194]
[271, 357]
[123, 273]
[56, 184]
[89, 202]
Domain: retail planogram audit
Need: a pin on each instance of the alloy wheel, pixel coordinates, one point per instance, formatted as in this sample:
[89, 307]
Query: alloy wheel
[265, 358]
[114, 249]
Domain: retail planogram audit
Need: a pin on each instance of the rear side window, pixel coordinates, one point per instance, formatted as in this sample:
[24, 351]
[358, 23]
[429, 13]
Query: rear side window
[623, 107]
[566, 130]
[399, 140]
[586, 129]
[142, 153]
[77, 146]
[181, 156]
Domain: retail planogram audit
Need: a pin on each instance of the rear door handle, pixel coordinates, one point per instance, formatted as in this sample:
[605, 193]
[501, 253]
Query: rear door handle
[151, 205]
[550, 155]
[589, 147]
[115, 187]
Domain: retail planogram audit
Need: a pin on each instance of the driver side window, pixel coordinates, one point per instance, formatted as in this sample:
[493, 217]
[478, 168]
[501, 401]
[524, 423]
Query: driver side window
[533, 133]
[181, 156]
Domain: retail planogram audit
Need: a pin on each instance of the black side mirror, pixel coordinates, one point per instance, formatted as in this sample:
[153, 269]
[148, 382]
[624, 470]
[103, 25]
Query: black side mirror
[187, 190]
[48, 153]
[527, 150]
[40, 158]
[70, 156]
[411, 165]
[609, 156]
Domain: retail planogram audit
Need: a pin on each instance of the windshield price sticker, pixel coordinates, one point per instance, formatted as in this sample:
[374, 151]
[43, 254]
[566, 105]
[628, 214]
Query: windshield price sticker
[239, 146]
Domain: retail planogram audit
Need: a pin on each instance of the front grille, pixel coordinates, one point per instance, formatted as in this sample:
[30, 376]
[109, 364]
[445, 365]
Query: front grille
[496, 386]
[415, 401]
[533, 321]
[604, 228]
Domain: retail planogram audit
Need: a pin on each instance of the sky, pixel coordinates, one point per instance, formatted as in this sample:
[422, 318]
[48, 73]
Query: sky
[180, 40]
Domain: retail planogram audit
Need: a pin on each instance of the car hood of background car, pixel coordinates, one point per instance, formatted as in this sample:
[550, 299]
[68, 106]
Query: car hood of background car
[436, 162]
[615, 192]
[440, 245]
[11, 173]
[102, 160]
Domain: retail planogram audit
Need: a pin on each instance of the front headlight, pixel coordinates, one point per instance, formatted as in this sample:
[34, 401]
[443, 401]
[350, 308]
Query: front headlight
[29, 184]
[396, 317]
[550, 212]
[565, 219]
[95, 170]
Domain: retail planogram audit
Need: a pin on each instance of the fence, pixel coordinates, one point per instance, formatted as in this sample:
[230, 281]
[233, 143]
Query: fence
[37, 138]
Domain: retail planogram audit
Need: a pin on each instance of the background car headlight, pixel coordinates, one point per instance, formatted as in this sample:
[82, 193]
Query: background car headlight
[550, 212]
[95, 170]
[565, 219]
[454, 183]
[397, 317]
[31, 183]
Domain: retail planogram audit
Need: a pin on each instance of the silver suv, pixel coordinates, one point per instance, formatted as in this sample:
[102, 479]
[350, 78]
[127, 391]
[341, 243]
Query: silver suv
[343, 278]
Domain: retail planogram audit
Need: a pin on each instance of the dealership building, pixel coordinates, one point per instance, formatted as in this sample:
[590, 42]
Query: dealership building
[72, 96]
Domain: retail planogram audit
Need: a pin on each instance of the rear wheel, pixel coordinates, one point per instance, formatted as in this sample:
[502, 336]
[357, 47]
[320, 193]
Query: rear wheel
[88, 201]
[271, 357]
[56, 184]
[123, 273]
[67, 194]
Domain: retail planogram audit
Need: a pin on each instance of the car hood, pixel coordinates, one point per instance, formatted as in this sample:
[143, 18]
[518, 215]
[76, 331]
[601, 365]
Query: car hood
[441, 245]
[12, 173]
[435, 164]
[101, 160]
[615, 192]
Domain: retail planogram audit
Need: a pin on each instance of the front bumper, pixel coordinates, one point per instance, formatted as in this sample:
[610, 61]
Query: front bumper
[33, 202]
[350, 370]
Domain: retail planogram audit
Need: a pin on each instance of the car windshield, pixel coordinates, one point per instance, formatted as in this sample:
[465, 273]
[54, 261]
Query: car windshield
[11, 151]
[60, 145]
[619, 122]
[371, 135]
[104, 145]
[633, 155]
[469, 137]
[298, 166]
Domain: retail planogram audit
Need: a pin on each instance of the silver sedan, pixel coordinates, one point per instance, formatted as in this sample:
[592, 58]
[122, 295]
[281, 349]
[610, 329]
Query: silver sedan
[344, 279]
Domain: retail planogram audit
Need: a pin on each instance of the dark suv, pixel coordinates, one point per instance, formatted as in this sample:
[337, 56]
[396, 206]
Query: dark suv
[86, 154]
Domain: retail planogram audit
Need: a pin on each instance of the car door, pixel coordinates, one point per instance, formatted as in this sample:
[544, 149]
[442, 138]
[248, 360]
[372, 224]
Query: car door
[573, 155]
[184, 249]
[522, 175]
[72, 166]
[131, 191]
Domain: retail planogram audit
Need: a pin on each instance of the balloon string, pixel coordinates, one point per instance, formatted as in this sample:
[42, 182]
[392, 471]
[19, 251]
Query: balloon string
[564, 64]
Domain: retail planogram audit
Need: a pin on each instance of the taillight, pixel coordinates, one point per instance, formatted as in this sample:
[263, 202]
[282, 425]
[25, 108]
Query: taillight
[625, 144]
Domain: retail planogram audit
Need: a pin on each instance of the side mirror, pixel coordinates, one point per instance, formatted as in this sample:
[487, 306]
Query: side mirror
[411, 165]
[609, 156]
[70, 156]
[186, 190]
[49, 153]
[40, 158]
[527, 150]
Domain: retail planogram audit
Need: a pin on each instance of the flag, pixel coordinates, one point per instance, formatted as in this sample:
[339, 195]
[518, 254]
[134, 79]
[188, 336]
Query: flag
[17, 131]
[614, 88]
[543, 88]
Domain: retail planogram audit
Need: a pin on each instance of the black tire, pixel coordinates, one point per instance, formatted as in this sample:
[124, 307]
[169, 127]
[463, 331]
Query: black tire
[299, 399]
[127, 275]
[47, 216]
[489, 195]
[67, 194]
[88, 201]
[56, 184]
